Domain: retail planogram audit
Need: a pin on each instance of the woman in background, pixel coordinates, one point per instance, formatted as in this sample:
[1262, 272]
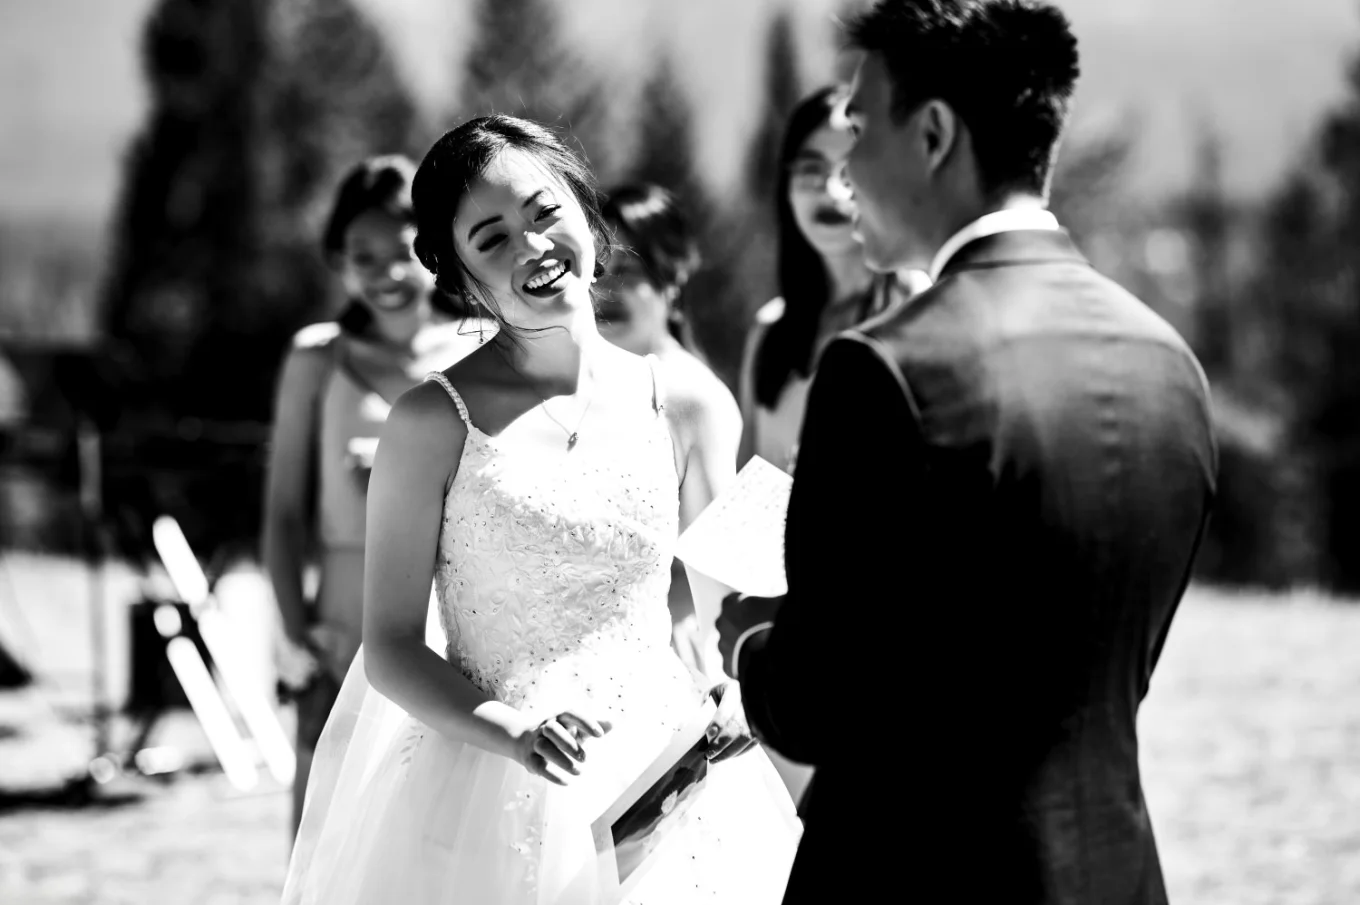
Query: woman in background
[640, 309]
[824, 285]
[334, 393]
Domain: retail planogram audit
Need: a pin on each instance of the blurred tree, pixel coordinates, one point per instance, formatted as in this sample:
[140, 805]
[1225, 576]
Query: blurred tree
[1264, 522]
[1311, 230]
[1089, 182]
[740, 276]
[783, 89]
[185, 240]
[664, 153]
[1112, 226]
[1208, 217]
[329, 97]
[519, 65]
[1311, 292]
[256, 106]
[50, 272]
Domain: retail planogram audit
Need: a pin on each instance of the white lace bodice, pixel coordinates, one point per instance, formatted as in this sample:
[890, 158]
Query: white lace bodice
[552, 573]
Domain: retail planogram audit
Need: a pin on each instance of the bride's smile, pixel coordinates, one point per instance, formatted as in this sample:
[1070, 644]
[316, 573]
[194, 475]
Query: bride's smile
[525, 239]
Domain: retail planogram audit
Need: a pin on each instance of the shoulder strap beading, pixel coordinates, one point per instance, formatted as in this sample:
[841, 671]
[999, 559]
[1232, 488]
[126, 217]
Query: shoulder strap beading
[443, 381]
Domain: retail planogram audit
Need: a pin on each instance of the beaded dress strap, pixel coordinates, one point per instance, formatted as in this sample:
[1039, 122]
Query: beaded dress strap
[443, 381]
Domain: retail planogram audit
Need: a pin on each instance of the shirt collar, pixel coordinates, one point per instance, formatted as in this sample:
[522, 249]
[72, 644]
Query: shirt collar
[1013, 220]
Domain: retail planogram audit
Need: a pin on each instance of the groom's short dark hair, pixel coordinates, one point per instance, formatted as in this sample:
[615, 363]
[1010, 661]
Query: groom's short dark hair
[1007, 68]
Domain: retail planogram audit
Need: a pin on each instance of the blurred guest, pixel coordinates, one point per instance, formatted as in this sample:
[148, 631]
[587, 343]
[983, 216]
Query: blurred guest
[640, 309]
[655, 253]
[334, 393]
[824, 285]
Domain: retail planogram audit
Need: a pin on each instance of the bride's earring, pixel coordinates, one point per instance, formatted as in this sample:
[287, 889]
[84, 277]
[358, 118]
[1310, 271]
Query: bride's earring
[472, 306]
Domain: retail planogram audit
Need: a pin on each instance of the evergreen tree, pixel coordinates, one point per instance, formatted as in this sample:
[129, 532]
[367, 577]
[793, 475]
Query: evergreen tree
[783, 89]
[518, 65]
[331, 96]
[184, 241]
[1310, 301]
[665, 147]
[1089, 182]
[256, 107]
[1208, 216]
[742, 233]
[1314, 301]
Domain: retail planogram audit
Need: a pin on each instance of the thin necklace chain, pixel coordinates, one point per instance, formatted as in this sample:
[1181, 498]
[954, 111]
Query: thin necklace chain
[572, 435]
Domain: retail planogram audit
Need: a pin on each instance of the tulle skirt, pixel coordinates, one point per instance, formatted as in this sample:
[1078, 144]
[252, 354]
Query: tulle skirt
[397, 813]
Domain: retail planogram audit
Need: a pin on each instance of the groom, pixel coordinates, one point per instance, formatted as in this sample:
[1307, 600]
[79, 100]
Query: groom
[1000, 490]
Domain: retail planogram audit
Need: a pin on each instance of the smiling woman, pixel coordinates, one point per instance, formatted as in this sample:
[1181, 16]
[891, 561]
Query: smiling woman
[518, 226]
[539, 484]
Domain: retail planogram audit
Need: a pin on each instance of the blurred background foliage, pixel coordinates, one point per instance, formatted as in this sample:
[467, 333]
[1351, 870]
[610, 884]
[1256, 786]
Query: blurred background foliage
[165, 326]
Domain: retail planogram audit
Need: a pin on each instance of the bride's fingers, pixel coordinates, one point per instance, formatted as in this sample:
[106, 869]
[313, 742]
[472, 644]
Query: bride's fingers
[540, 767]
[563, 739]
[545, 748]
[585, 723]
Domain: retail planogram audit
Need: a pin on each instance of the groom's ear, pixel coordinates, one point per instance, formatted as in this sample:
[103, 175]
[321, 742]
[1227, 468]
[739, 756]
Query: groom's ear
[939, 132]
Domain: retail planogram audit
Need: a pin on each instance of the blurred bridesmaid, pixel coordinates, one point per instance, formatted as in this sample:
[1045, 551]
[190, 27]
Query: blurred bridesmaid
[824, 285]
[337, 385]
[641, 309]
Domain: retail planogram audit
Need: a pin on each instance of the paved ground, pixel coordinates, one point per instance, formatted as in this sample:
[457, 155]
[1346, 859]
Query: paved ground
[1251, 751]
[1251, 747]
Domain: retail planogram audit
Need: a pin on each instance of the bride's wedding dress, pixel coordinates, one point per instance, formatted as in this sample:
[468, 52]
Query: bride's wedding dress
[551, 582]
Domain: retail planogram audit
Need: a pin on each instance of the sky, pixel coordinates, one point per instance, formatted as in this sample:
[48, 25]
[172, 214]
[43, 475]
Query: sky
[71, 92]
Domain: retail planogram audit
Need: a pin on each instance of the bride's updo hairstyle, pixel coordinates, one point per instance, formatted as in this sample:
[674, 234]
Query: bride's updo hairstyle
[457, 159]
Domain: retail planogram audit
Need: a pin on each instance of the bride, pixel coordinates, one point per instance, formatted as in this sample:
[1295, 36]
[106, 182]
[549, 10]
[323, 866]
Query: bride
[540, 483]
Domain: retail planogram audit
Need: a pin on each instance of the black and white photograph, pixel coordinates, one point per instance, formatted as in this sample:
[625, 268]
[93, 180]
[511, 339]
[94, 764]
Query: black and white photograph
[639, 822]
[939, 419]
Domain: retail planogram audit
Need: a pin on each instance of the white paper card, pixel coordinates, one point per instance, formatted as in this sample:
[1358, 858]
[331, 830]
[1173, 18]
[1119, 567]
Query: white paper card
[738, 539]
[653, 810]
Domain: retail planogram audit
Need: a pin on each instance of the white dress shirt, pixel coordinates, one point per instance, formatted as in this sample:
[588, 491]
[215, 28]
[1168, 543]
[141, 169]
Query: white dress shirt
[741, 642]
[1006, 221]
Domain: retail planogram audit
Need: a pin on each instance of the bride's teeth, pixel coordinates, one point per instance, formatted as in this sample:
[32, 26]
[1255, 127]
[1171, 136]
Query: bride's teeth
[547, 277]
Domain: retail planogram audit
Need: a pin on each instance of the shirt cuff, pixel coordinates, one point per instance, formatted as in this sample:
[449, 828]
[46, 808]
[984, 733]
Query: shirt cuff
[742, 639]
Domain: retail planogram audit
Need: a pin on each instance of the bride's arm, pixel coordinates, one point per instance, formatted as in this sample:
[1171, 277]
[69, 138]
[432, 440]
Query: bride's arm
[415, 461]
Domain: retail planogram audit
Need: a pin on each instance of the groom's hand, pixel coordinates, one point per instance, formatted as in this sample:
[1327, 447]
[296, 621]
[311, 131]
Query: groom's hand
[740, 613]
[728, 734]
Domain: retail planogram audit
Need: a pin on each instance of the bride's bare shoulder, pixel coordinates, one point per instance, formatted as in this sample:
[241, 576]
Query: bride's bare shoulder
[427, 416]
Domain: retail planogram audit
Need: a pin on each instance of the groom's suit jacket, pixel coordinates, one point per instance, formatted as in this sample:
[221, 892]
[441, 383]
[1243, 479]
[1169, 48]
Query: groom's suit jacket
[1000, 490]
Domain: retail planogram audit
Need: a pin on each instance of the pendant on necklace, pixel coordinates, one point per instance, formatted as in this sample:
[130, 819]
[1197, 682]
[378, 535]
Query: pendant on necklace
[571, 442]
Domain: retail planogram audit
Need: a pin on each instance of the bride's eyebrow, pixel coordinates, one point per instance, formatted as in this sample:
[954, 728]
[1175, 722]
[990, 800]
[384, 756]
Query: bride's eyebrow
[496, 217]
